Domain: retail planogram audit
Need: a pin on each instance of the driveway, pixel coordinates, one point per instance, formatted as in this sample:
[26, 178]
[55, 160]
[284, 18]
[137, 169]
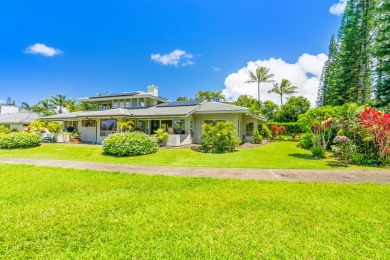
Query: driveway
[340, 176]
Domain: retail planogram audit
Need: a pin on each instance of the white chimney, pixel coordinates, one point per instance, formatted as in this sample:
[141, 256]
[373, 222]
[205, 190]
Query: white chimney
[153, 90]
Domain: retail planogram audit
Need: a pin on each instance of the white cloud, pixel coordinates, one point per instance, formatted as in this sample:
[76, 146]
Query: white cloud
[338, 8]
[305, 74]
[42, 49]
[175, 58]
[216, 68]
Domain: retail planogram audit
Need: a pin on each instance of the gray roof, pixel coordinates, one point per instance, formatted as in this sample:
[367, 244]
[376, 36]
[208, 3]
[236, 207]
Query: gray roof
[18, 118]
[157, 111]
[221, 107]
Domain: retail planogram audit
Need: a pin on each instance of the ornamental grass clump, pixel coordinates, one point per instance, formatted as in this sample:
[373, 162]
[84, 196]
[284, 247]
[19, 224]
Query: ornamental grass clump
[19, 140]
[129, 144]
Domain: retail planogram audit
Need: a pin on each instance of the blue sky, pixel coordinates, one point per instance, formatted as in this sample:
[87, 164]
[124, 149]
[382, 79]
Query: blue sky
[80, 48]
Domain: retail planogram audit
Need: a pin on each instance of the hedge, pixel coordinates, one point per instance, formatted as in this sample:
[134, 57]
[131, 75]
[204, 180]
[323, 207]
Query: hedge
[129, 144]
[19, 140]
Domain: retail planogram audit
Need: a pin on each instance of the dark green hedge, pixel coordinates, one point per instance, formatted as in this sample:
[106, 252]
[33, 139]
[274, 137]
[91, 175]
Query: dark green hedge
[291, 128]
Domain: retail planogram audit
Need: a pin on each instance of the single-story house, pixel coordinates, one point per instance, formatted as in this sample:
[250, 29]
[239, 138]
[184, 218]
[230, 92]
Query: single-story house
[182, 120]
[15, 117]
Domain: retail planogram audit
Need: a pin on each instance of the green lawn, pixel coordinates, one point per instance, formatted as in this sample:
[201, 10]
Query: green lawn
[50, 213]
[277, 155]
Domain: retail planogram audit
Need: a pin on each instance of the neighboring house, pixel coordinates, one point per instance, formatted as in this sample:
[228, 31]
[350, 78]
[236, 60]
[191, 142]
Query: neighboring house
[183, 120]
[16, 117]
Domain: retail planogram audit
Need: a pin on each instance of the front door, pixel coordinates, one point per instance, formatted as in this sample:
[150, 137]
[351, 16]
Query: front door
[155, 124]
[249, 128]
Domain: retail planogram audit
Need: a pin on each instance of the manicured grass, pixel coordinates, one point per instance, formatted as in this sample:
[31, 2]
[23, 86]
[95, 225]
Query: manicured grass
[277, 155]
[51, 213]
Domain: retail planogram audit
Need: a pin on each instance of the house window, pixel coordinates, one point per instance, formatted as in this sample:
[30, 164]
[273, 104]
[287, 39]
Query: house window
[114, 104]
[134, 103]
[167, 126]
[141, 102]
[122, 104]
[88, 123]
[178, 126]
[108, 126]
[213, 122]
[128, 104]
[70, 125]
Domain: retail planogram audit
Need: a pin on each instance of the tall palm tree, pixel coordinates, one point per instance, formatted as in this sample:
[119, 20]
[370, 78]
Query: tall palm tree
[262, 75]
[285, 87]
[60, 101]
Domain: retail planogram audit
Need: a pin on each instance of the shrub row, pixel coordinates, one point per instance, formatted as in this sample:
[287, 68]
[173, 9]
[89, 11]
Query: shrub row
[219, 138]
[19, 140]
[129, 144]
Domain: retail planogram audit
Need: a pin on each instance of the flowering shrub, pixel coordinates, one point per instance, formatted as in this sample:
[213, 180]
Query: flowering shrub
[277, 130]
[345, 149]
[129, 144]
[19, 140]
[219, 138]
[377, 125]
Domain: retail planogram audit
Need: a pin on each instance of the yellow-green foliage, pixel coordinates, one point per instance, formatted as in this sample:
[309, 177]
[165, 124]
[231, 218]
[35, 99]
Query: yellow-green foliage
[19, 140]
[39, 126]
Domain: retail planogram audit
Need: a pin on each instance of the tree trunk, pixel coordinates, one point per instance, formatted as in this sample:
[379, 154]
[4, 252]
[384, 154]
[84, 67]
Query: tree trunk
[258, 91]
[281, 100]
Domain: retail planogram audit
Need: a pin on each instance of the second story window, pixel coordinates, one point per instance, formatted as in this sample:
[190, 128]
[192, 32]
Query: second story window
[122, 104]
[115, 104]
[128, 104]
[134, 103]
[141, 102]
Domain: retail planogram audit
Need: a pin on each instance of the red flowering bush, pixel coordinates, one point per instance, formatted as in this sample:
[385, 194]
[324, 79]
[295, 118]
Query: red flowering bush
[377, 125]
[277, 130]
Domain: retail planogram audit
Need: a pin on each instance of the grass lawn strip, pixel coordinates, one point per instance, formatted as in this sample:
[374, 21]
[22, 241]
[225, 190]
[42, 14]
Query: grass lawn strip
[49, 212]
[277, 155]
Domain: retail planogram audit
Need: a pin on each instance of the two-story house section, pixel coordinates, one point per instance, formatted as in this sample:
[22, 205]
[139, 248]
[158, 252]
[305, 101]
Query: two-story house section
[182, 120]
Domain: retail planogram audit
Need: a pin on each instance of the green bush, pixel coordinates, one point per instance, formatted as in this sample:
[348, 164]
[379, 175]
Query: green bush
[219, 138]
[19, 140]
[129, 144]
[291, 128]
[257, 138]
[317, 152]
[4, 129]
[264, 131]
[306, 141]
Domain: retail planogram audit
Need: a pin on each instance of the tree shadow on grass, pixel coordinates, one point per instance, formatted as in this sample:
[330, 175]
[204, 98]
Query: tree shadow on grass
[303, 156]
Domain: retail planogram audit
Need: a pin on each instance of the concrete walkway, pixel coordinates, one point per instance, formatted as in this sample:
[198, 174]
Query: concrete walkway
[341, 176]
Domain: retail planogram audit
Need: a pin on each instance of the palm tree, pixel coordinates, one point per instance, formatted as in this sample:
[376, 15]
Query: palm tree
[25, 105]
[285, 88]
[127, 126]
[262, 75]
[71, 105]
[204, 95]
[60, 101]
[217, 96]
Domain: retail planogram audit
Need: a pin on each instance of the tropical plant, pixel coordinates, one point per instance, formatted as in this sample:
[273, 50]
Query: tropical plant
[377, 126]
[161, 135]
[262, 75]
[257, 137]
[126, 126]
[4, 129]
[71, 105]
[219, 138]
[284, 88]
[264, 131]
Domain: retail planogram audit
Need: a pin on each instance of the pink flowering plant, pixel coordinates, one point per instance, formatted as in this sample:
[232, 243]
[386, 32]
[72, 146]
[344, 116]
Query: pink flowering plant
[345, 148]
